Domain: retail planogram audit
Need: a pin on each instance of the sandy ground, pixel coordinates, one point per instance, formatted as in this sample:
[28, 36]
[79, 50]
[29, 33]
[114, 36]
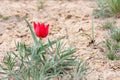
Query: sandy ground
[67, 18]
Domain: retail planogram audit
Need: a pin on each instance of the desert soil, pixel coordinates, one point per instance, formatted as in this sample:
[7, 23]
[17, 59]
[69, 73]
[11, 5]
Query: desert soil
[68, 18]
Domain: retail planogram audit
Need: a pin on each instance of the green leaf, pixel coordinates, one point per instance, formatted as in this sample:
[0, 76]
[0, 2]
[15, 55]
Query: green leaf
[33, 34]
[50, 43]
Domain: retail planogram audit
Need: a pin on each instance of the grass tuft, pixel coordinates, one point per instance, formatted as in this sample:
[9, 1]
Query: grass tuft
[108, 25]
[107, 8]
[115, 34]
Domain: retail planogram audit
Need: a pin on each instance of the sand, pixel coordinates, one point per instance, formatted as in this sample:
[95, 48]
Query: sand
[68, 19]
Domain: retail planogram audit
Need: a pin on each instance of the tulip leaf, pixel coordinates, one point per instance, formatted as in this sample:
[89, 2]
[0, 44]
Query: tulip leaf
[50, 43]
[32, 32]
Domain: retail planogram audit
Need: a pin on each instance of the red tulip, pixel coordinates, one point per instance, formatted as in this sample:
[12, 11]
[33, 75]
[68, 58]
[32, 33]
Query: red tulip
[41, 30]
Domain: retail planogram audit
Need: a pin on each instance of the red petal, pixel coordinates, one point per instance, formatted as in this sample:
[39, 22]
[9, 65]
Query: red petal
[35, 25]
[47, 28]
[41, 31]
[39, 24]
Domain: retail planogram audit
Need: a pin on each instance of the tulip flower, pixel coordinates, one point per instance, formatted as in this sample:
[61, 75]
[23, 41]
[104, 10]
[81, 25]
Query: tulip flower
[41, 30]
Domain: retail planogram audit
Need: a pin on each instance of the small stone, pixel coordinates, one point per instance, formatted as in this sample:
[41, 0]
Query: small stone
[68, 16]
[87, 15]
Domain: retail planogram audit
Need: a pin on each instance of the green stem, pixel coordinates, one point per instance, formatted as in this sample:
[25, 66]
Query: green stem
[92, 30]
